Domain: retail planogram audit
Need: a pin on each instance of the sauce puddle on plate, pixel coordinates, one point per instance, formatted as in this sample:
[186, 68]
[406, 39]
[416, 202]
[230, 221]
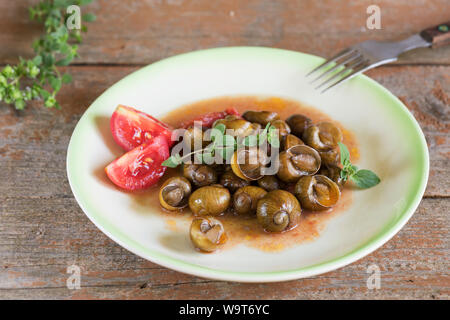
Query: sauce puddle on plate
[246, 230]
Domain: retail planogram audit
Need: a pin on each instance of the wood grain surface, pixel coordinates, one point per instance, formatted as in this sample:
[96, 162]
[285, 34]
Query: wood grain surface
[43, 230]
[140, 32]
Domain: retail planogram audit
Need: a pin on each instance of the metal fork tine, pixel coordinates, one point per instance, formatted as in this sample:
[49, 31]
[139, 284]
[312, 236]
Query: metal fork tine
[371, 53]
[354, 73]
[341, 54]
[355, 63]
[342, 63]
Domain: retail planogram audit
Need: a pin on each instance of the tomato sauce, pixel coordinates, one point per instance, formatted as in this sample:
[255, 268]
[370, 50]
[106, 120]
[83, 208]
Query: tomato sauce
[246, 230]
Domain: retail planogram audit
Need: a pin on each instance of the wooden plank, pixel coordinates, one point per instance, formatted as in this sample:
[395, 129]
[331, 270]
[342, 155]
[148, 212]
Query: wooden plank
[141, 32]
[44, 231]
[34, 263]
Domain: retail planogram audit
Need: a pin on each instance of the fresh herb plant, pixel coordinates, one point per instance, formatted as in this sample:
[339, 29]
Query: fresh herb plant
[39, 77]
[225, 145]
[363, 178]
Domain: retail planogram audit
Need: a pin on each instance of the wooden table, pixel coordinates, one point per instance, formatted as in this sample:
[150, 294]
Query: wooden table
[43, 230]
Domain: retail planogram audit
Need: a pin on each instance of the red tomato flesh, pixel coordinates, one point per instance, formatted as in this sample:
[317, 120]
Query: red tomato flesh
[141, 167]
[131, 128]
[208, 119]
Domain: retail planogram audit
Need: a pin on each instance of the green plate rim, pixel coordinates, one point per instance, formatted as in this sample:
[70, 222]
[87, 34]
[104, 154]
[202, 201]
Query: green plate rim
[413, 199]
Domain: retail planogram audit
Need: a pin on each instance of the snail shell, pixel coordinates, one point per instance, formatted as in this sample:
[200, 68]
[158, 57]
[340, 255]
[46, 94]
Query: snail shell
[278, 211]
[297, 161]
[207, 234]
[246, 199]
[317, 192]
[174, 193]
[210, 200]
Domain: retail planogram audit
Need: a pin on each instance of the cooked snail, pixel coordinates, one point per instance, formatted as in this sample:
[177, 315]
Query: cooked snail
[207, 234]
[174, 193]
[209, 200]
[298, 161]
[331, 157]
[220, 168]
[200, 175]
[246, 198]
[231, 181]
[334, 173]
[261, 117]
[282, 127]
[317, 192]
[247, 163]
[298, 124]
[270, 183]
[289, 141]
[278, 211]
[322, 136]
[240, 127]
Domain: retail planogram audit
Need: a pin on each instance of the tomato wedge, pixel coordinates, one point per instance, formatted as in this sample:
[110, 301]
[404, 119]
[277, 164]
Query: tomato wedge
[141, 167]
[130, 128]
[233, 111]
[208, 119]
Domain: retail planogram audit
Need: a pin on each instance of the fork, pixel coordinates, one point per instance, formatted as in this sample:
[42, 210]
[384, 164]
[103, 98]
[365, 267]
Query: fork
[370, 54]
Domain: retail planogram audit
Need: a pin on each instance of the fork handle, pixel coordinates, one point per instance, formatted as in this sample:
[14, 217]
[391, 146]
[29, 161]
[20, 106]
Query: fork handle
[438, 36]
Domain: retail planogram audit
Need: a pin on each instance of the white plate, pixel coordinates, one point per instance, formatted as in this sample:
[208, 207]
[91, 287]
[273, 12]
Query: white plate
[391, 144]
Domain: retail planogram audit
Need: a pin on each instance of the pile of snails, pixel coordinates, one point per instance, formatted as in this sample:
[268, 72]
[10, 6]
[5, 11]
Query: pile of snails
[308, 177]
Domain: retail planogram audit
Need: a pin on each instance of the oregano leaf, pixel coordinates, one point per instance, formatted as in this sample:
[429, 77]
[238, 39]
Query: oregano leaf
[273, 137]
[221, 127]
[365, 179]
[345, 154]
[172, 161]
[250, 141]
[362, 178]
[208, 156]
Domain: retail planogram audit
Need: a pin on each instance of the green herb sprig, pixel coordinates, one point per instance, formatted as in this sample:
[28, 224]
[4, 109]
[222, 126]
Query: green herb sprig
[225, 145]
[363, 178]
[39, 78]
[269, 134]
